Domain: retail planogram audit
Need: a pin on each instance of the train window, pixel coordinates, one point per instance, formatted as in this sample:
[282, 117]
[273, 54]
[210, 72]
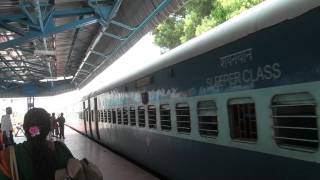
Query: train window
[114, 116]
[242, 117]
[141, 116]
[207, 117]
[109, 115]
[152, 117]
[105, 113]
[125, 115]
[183, 118]
[119, 116]
[132, 116]
[165, 117]
[101, 116]
[91, 115]
[295, 121]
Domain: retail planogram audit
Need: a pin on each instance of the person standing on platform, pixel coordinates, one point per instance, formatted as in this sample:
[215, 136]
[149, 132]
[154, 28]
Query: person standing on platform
[6, 127]
[1, 140]
[61, 121]
[55, 129]
[37, 158]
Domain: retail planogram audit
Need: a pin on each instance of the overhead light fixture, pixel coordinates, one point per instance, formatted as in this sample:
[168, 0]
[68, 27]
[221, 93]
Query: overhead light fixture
[44, 52]
[49, 79]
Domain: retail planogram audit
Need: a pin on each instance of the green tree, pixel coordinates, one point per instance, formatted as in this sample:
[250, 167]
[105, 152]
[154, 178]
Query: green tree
[197, 17]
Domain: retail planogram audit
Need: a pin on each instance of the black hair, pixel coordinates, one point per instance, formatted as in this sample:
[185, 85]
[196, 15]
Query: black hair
[43, 158]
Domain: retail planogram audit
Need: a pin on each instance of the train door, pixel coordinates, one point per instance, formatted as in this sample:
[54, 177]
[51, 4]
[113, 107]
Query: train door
[96, 117]
[90, 117]
[85, 117]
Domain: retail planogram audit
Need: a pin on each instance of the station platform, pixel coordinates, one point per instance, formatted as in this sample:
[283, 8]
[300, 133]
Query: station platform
[113, 166]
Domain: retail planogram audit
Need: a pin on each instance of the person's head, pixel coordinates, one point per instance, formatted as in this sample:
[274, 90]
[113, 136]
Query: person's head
[36, 123]
[9, 110]
[37, 126]
[61, 114]
[53, 114]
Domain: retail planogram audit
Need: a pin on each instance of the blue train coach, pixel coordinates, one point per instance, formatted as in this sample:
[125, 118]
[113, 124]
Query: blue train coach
[238, 102]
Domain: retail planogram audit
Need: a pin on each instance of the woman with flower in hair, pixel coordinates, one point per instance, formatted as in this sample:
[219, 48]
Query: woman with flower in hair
[37, 158]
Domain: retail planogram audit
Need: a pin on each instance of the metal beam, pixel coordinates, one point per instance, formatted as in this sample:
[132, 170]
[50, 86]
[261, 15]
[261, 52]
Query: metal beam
[37, 9]
[115, 36]
[160, 7]
[73, 12]
[48, 32]
[112, 14]
[11, 28]
[131, 28]
[99, 53]
[55, 14]
[12, 69]
[86, 63]
[27, 62]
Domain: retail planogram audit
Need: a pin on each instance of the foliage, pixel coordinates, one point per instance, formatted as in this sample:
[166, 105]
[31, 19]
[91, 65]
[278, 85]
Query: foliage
[197, 17]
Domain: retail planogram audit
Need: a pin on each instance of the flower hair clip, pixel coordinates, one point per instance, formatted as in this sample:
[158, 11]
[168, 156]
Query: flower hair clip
[34, 131]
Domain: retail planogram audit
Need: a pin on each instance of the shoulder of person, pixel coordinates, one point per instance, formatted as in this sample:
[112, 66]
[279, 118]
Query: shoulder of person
[60, 146]
[5, 162]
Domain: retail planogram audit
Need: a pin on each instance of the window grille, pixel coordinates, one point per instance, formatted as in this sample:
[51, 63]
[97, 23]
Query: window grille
[101, 115]
[114, 116]
[87, 115]
[295, 121]
[109, 115]
[105, 114]
[141, 116]
[91, 114]
[165, 117]
[152, 117]
[119, 116]
[242, 116]
[133, 116]
[207, 118]
[125, 115]
[183, 118]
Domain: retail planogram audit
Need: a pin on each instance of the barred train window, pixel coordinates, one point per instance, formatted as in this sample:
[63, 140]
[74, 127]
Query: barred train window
[125, 115]
[101, 115]
[91, 115]
[114, 116]
[105, 115]
[243, 120]
[207, 117]
[109, 115]
[141, 117]
[165, 117]
[152, 117]
[132, 116]
[295, 121]
[183, 118]
[119, 116]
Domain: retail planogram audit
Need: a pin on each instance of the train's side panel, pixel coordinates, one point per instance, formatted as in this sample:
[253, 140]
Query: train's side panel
[280, 55]
[179, 156]
[74, 117]
[280, 59]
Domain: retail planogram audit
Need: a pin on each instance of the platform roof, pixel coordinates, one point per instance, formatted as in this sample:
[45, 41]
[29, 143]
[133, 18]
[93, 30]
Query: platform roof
[49, 47]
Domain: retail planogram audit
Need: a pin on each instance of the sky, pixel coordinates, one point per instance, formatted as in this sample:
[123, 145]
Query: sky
[142, 54]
